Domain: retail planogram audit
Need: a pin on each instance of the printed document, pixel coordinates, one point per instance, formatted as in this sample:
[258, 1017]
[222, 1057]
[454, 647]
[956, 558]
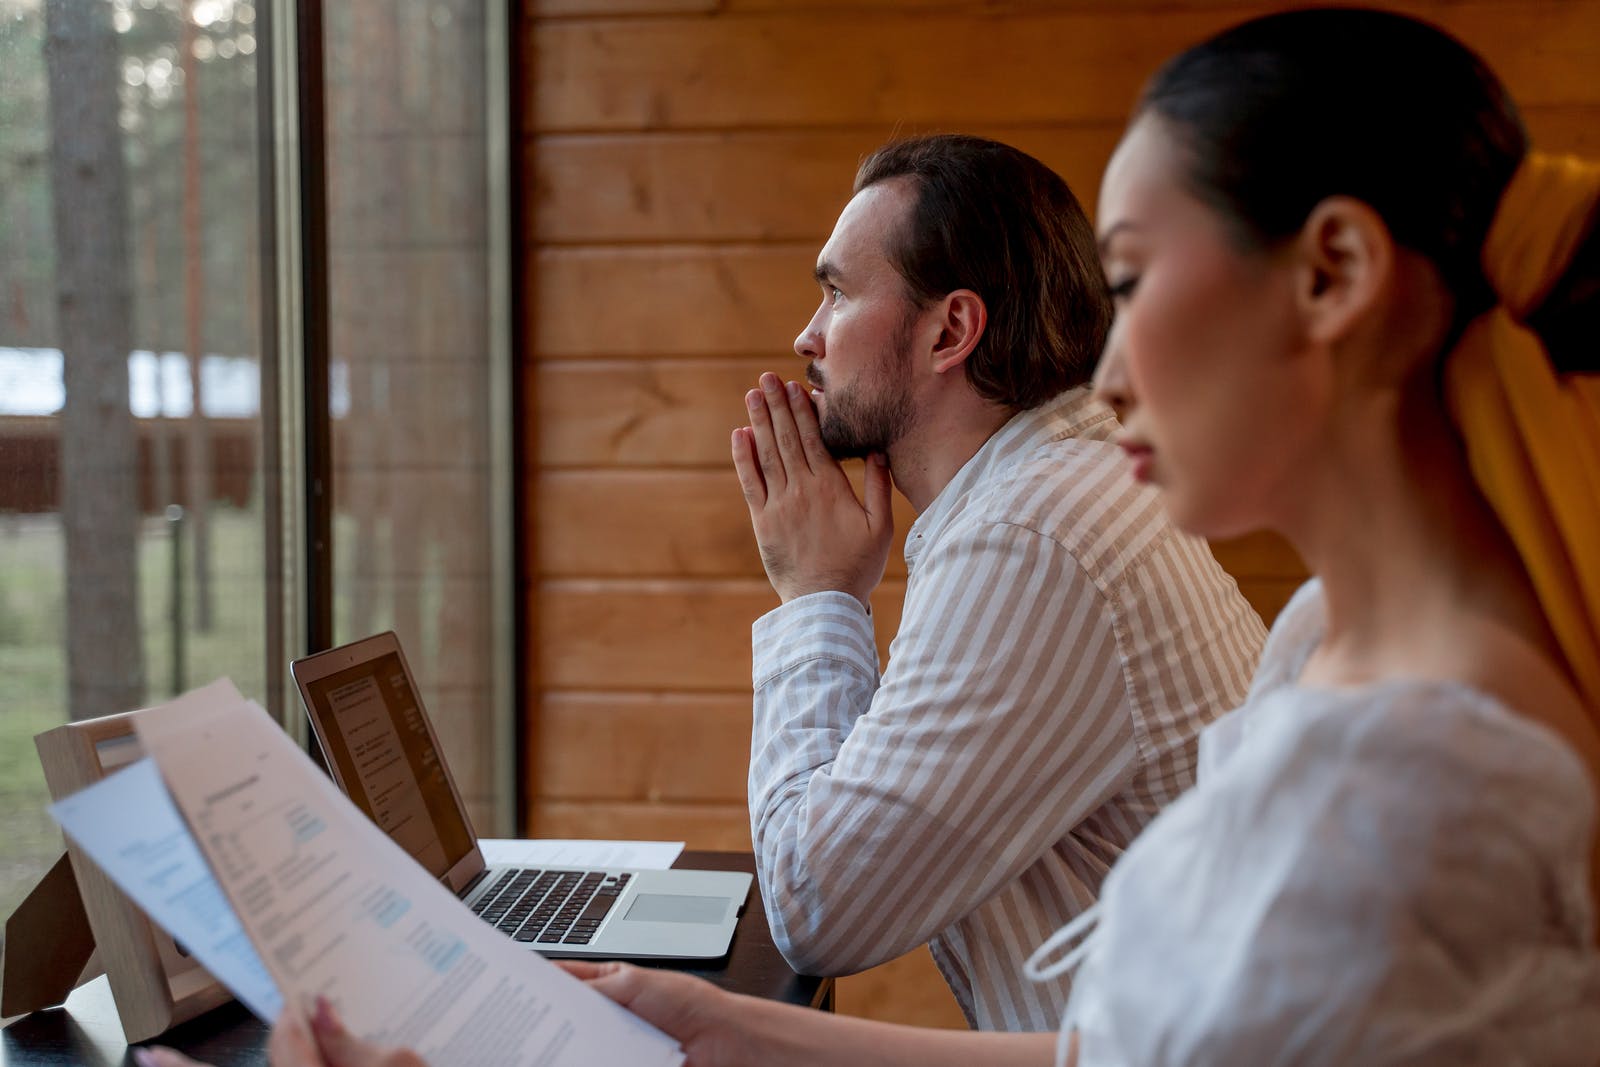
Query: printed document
[558, 852]
[127, 825]
[336, 908]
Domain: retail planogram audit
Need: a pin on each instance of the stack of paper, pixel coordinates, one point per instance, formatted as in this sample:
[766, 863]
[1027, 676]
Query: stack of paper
[232, 840]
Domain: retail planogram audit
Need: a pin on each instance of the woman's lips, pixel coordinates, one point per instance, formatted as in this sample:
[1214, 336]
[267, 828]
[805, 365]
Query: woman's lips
[1140, 456]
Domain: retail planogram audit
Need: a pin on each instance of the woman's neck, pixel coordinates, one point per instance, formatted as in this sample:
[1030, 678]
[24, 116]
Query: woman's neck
[1412, 559]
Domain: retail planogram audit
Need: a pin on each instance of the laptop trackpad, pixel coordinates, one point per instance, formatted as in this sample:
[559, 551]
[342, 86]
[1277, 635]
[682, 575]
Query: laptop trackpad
[670, 908]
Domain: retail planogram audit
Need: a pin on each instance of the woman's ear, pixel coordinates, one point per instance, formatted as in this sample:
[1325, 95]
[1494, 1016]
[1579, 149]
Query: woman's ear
[1346, 258]
[962, 320]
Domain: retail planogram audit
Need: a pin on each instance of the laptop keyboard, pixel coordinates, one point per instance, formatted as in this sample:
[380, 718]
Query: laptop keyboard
[550, 907]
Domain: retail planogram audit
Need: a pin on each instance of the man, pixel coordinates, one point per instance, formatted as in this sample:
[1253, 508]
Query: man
[1061, 644]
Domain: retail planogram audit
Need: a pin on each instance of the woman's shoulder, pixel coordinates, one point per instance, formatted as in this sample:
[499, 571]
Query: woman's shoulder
[1438, 745]
[1433, 786]
[1424, 842]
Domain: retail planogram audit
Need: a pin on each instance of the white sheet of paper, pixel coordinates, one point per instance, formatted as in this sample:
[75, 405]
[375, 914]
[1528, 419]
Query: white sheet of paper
[337, 908]
[128, 825]
[551, 852]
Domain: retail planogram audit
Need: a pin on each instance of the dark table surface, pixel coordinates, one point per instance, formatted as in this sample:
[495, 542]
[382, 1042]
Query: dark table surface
[86, 1030]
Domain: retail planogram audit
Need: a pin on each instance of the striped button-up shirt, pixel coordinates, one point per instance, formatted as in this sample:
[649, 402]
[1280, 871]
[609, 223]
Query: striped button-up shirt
[1060, 648]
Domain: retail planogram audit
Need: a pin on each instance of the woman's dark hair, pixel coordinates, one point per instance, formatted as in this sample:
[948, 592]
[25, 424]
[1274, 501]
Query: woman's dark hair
[1283, 111]
[997, 221]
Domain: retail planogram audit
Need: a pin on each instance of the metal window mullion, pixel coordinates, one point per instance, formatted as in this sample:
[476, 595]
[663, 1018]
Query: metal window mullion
[504, 588]
[317, 416]
[294, 378]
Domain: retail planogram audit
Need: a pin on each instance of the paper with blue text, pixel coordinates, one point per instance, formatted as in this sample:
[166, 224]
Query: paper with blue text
[334, 907]
[129, 827]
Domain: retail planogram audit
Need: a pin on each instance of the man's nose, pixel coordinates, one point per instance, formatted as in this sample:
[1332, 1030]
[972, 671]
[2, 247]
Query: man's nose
[809, 344]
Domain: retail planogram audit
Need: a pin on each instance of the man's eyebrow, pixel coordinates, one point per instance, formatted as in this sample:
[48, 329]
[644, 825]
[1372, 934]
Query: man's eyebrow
[1105, 238]
[825, 272]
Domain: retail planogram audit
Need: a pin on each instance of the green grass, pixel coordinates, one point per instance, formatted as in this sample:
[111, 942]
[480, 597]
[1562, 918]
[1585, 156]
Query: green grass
[33, 657]
[33, 650]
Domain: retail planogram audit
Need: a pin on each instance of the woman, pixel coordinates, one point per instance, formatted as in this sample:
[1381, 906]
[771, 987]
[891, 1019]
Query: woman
[1390, 856]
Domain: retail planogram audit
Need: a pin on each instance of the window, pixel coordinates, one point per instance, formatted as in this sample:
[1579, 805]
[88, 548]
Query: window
[153, 488]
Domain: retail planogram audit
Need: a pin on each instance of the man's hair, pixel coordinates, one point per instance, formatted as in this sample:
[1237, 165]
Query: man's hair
[997, 221]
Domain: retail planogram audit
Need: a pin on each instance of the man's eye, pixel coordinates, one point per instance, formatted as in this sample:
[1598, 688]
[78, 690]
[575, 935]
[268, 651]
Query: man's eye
[1123, 289]
[834, 294]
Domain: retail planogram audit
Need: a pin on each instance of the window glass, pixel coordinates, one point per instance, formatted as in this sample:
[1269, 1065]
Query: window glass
[131, 531]
[408, 262]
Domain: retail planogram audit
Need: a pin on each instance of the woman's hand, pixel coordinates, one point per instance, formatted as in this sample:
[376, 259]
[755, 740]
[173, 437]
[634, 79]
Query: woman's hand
[711, 1025]
[297, 1041]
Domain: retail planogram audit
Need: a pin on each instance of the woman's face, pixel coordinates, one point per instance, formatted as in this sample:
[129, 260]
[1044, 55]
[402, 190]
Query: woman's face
[1218, 394]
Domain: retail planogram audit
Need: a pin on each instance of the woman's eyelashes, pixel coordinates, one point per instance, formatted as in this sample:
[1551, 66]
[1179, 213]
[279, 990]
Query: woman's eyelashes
[1123, 289]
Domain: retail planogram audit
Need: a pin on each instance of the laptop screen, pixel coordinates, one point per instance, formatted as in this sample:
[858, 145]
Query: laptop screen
[374, 731]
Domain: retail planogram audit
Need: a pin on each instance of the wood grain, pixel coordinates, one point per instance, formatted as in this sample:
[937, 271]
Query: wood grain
[648, 413]
[672, 301]
[651, 747]
[718, 827]
[544, 9]
[908, 990]
[761, 70]
[688, 523]
[756, 186]
[664, 635]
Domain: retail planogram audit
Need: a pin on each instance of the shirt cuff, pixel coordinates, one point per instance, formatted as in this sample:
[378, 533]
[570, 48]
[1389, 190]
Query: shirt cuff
[829, 625]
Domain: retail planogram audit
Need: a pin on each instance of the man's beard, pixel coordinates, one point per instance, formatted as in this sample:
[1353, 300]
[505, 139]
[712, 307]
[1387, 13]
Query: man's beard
[872, 414]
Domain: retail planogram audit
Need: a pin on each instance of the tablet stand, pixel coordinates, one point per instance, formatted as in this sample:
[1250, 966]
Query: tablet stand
[75, 908]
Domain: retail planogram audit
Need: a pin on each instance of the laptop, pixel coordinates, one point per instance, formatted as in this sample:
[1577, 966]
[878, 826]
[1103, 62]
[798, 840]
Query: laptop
[381, 749]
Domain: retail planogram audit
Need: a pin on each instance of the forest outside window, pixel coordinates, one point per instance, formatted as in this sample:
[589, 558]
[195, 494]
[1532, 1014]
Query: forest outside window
[145, 500]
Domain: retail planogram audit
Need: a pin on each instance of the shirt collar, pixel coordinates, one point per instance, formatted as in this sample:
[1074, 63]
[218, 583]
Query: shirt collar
[1068, 414]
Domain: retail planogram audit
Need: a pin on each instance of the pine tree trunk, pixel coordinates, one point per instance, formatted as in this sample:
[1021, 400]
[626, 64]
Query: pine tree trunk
[99, 475]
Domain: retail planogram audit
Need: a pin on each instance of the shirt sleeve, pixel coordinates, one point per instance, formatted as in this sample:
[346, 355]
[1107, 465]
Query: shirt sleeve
[1399, 882]
[882, 812]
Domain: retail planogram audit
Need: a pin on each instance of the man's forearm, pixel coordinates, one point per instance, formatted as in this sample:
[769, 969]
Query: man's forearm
[815, 674]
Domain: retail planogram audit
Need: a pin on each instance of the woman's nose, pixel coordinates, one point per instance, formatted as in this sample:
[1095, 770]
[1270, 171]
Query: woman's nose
[1111, 378]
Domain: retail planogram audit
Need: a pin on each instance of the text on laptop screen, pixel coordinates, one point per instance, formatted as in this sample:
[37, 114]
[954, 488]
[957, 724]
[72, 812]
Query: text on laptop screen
[377, 738]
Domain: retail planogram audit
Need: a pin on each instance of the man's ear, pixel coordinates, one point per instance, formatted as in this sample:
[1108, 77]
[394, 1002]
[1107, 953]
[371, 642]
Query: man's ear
[1346, 258]
[962, 320]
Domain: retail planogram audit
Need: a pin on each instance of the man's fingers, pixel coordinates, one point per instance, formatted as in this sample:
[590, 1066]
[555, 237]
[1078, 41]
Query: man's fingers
[877, 493]
[781, 411]
[805, 421]
[772, 472]
[748, 467]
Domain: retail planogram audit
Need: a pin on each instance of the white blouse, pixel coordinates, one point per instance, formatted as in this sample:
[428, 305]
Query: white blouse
[1392, 875]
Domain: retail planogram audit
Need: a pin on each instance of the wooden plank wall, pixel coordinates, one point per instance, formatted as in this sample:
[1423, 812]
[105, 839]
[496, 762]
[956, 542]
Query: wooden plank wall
[684, 161]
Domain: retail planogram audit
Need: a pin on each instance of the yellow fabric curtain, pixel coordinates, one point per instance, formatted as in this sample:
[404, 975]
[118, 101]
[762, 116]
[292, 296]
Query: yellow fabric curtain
[1533, 436]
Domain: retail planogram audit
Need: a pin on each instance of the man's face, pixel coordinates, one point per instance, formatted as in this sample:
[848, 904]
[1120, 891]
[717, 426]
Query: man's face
[860, 341]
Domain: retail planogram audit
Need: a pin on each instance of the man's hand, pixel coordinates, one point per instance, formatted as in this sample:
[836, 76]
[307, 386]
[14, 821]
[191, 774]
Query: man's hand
[813, 532]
